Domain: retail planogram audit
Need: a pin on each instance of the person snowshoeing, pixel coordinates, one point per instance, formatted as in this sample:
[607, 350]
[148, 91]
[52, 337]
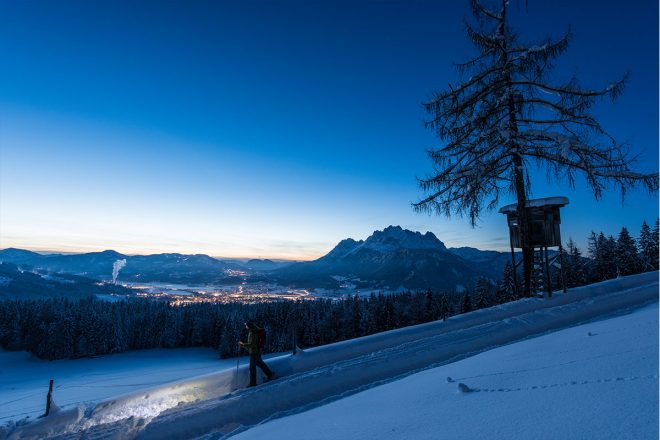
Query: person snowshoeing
[255, 343]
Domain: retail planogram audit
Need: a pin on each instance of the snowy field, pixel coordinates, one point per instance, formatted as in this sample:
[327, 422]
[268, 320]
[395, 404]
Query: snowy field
[24, 378]
[608, 366]
[592, 382]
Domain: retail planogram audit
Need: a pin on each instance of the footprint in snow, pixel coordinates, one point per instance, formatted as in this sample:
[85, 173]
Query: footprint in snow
[462, 388]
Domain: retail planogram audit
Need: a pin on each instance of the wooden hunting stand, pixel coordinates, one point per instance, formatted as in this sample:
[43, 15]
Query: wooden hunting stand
[544, 221]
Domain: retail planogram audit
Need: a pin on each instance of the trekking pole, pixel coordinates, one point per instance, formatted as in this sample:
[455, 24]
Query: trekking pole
[238, 354]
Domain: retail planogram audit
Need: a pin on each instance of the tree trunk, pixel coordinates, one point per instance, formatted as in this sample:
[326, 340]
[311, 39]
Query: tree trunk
[518, 176]
[523, 224]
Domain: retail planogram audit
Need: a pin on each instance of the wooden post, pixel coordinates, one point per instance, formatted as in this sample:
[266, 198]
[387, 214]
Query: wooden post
[49, 397]
[515, 267]
[547, 272]
[561, 265]
[293, 336]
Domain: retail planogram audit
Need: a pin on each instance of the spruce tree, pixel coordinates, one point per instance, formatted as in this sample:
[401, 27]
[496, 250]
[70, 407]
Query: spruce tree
[445, 308]
[506, 115]
[655, 237]
[574, 267]
[645, 244]
[466, 302]
[430, 308]
[603, 253]
[627, 259]
[608, 265]
[506, 289]
[482, 294]
[594, 254]
[592, 246]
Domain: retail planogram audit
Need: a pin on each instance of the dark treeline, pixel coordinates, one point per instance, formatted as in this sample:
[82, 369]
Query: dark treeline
[610, 257]
[62, 328]
[607, 257]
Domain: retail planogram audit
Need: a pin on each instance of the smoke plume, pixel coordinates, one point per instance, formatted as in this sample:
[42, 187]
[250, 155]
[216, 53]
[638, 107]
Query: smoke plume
[116, 267]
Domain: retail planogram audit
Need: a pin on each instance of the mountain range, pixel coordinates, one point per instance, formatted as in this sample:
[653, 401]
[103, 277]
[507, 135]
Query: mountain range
[394, 259]
[174, 268]
[391, 259]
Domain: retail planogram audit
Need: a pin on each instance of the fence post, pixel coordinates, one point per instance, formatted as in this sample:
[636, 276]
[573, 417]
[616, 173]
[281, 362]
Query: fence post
[49, 397]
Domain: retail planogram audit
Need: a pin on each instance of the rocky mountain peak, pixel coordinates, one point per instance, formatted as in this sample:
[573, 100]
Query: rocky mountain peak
[343, 247]
[395, 237]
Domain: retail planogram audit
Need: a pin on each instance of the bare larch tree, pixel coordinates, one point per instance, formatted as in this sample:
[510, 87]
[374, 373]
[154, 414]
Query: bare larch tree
[506, 116]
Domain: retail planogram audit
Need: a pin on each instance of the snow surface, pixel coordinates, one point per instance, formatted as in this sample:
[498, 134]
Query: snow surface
[24, 378]
[591, 382]
[216, 405]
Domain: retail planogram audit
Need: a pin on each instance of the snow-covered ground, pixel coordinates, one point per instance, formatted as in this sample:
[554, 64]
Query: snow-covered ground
[591, 382]
[216, 405]
[24, 378]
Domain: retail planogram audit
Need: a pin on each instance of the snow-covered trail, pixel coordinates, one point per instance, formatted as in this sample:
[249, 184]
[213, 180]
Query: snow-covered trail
[594, 381]
[326, 373]
[332, 381]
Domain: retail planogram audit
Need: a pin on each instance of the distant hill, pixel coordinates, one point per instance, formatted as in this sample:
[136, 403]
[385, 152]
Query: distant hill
[16, 283]
[175, 268]
[491, 263]
[265, 264]
[18, 256]
[390, 259]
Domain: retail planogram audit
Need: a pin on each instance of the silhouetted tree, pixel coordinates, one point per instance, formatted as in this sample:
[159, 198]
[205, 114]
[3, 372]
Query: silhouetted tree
[466, 302]
[506, 288]
[655, 235]
[506, 115]
[648, 248]
[645, 245]
[482, 294]
[445, 307]
[573, 265]
[603, 253]
[628, 261]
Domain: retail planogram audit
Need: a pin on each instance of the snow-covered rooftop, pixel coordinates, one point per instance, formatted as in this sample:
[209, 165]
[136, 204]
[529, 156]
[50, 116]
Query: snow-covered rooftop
[535, 203]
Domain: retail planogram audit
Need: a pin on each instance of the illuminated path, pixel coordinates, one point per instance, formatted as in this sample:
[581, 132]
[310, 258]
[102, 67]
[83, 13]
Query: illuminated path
[212, 407]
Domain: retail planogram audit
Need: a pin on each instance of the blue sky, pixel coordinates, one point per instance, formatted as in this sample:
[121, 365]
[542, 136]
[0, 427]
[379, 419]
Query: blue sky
[272, 129]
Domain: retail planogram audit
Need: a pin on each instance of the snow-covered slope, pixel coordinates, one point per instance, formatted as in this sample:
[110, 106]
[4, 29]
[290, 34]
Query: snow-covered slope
[215, 405]
[24, 378]
[591, 382]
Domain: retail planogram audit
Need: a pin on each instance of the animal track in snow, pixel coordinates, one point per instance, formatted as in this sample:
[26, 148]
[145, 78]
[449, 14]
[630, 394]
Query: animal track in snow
[565, 384]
